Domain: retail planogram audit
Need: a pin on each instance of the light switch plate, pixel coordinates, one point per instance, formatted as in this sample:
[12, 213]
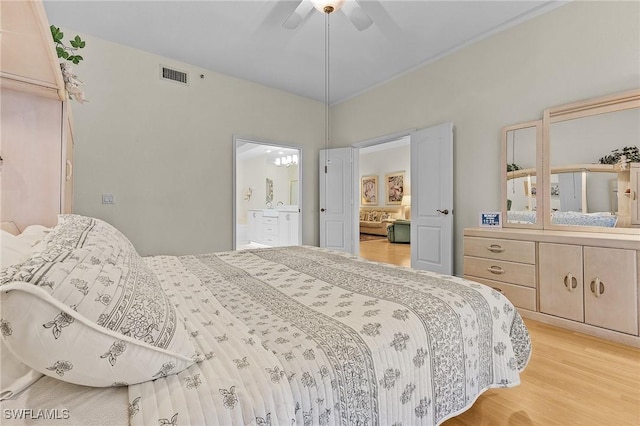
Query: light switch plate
[108, 199]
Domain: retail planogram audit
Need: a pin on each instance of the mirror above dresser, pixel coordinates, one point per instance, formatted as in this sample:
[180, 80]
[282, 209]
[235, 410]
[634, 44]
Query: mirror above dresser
[568, 252]
[521, 154]
[563, 172]
[583, 194]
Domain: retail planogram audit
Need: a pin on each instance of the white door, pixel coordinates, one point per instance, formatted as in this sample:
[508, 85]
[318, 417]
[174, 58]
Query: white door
[432, 199]
[337, 194]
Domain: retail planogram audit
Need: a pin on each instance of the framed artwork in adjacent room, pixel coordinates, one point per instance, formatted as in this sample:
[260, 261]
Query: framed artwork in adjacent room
[369, 190]
[394, 187]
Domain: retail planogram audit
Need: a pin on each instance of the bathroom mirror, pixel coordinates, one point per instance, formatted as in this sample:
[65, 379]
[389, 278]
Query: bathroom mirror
[583, 194]
[521, 171]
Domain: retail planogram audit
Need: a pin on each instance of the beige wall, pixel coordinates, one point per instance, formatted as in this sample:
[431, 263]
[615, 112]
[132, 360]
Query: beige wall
[578, 51]
[165, 150]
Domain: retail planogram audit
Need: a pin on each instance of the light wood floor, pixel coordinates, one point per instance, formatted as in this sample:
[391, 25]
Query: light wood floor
[386, 252]
[571, 379]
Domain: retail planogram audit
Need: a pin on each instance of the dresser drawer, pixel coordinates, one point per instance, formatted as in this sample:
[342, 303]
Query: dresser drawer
[498, 270]
[499, 249]
[270, 220]
[271, 230]
[522, 297]
[271, 240]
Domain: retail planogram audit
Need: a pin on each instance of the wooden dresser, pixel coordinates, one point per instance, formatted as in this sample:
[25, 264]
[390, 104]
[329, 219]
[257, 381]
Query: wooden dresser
[508, 266]
[587, 282]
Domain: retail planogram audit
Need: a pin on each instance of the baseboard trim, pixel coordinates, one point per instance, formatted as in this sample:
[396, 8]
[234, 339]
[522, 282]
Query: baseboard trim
[591, 330]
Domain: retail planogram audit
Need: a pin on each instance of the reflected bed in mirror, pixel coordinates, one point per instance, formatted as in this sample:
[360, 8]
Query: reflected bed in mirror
[520, 148]
[578, 138]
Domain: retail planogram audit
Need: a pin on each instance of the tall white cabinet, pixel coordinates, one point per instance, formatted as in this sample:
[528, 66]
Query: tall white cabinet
[36, 143]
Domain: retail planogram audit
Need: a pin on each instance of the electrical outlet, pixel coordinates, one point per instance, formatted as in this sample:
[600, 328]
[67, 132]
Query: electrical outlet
[108, 199]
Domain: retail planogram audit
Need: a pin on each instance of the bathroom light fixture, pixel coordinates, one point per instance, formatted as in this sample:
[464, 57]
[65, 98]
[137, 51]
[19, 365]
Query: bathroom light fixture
[287, 160]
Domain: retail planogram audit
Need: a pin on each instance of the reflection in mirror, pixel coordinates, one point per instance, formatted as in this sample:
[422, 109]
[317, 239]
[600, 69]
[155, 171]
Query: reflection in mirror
[584, 192]
[521, 196]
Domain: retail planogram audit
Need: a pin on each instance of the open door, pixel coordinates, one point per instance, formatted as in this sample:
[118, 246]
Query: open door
[432, 199]
[338, 193]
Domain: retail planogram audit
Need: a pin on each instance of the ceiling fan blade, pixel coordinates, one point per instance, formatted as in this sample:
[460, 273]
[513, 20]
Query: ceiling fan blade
[303, 9]
[357, 15]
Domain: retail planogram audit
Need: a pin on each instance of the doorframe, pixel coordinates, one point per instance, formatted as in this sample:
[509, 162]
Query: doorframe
[356, 175]
[259, 141]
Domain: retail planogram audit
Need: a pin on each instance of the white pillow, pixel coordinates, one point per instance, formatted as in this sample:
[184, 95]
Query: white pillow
[88, 310]
[55, 340]
[14, 250]
[34, 234]
[14, 375]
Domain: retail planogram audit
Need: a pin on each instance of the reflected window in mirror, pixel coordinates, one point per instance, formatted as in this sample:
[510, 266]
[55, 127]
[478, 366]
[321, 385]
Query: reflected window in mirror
[520, 176]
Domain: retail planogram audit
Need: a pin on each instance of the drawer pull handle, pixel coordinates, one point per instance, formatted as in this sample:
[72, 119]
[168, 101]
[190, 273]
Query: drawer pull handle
[495, 269]
[495, 248]
[597, 287]
[570, 282]
[498, 289]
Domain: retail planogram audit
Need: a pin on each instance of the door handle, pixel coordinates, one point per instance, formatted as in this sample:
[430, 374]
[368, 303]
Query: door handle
[569, 281]
[445, 211]
[597, 287]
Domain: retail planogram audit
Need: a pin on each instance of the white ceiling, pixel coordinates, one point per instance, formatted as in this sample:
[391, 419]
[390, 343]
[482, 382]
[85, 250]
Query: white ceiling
[246, 39]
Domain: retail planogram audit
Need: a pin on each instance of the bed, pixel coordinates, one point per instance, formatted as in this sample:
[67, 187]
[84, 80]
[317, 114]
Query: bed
[288, 335]
[602, 219]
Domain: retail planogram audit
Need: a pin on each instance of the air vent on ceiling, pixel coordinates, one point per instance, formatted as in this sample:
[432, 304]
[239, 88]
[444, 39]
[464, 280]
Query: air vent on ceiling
[171, 74]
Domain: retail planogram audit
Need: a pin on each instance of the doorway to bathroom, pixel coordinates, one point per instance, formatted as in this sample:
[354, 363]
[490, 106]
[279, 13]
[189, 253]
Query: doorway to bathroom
[267, 205]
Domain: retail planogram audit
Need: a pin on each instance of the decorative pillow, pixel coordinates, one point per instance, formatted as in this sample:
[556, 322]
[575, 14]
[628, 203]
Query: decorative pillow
[55, 340]
[90, 285]
[14, 250]
[384, 216]
[364, 215]
[374, 216]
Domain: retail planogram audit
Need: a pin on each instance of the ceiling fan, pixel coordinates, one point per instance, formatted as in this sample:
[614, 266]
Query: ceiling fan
[350, 8]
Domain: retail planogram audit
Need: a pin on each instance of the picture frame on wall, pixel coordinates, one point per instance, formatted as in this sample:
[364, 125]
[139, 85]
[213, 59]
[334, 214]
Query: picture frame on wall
[269, 190]
[394, 187]
[369, 190]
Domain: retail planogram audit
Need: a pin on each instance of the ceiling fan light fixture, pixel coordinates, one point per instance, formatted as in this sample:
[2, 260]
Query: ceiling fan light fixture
[327, 6]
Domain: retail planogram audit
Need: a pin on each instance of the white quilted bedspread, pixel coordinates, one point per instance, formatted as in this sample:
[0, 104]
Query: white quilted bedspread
[305, 336]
